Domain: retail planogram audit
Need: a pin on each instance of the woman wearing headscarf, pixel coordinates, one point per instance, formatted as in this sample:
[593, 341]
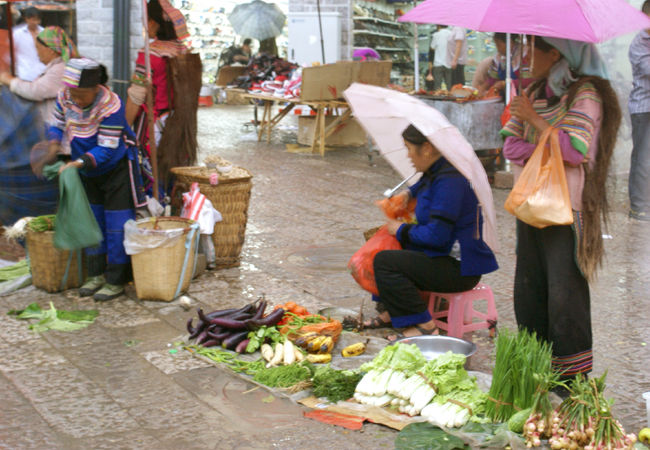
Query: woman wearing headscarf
[167, 28]
[54, 49]
[555, 264]
[90, 117]
[491, 72]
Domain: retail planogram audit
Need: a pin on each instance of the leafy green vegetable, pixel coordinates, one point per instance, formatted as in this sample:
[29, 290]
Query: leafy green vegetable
[228, 358]
[334, 384]
[14, 271]
[53, 319]
[42, 223]
[425, 436]
[261, 335]
[401, 357]
[284, 376]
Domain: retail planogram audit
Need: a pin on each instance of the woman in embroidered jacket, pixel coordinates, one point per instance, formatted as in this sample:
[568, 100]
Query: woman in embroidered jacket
[91, 118]
[167, 29]
[554, 264]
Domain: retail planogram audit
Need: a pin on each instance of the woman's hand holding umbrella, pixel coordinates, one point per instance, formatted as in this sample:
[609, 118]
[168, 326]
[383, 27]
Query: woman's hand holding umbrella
[522, 109]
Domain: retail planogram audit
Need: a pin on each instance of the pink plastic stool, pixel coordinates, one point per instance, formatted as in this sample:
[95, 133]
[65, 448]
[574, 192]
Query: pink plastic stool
[461, 310]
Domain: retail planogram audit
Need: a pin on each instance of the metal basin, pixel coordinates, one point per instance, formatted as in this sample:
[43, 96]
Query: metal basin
[434, 346]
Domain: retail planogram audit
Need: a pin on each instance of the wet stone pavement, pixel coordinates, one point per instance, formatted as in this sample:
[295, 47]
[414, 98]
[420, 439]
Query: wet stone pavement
[116, 385]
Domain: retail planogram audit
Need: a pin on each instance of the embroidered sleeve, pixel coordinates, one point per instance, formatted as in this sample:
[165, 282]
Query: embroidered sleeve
[55, 131]
[108, 139]
[582, 116]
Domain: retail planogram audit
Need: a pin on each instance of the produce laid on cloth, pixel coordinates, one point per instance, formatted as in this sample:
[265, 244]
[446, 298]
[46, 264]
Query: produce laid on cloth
[440, 390]
[53, 319]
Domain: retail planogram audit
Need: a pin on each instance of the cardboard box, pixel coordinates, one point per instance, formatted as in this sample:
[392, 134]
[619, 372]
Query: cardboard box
[327, 82]
[227, 74]
[350, 133]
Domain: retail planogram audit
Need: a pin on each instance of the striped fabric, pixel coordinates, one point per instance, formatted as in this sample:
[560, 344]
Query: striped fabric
[575, 120]
[176, 17]
[571, 365]
[56, 39]
[85, 123]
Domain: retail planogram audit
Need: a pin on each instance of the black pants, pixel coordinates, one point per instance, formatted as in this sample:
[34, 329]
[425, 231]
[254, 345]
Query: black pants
[458, 75]
[401, 275]
[552, 295]
[111, 201]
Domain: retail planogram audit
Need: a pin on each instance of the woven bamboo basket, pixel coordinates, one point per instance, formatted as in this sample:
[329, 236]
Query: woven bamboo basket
[48, 263]
[157, 272]
[230, 197]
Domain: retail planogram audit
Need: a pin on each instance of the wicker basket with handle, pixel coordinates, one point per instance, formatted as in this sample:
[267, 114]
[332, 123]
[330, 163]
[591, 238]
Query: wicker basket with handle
[230, 197]
[49, 264]
[165, 272]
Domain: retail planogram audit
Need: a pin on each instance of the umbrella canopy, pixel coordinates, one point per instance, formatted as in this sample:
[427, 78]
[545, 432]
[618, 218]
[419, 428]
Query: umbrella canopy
[258, 20]
[385, 113]
[580, 20]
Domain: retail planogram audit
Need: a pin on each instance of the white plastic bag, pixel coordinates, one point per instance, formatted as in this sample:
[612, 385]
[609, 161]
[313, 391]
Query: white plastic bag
[137, 239]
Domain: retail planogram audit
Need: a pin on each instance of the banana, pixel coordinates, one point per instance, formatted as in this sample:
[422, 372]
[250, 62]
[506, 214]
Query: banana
[303, 340]
[319, 359]
[326, 346]
[354, 349]
[314, 345]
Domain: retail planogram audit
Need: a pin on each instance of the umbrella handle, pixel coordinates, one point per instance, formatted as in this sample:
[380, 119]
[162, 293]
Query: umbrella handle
[390, 192]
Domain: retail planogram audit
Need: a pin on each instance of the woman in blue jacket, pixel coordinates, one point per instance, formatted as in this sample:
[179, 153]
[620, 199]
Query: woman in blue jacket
[90, 119]
[443, 252]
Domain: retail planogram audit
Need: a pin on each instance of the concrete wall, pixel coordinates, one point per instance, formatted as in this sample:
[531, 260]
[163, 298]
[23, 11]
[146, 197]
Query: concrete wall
[343, 7]
[95, 30]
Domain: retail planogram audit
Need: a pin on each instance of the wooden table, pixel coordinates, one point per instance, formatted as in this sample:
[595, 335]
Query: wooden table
[322, 108]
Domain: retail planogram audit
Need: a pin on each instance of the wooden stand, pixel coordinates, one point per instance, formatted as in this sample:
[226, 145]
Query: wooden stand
[269, 121]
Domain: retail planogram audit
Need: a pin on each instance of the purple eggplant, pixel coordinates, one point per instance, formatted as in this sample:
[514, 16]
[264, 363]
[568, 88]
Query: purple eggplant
[229, 323]
[260, 310]
[210, 343]
[190, 328]
[203, 336]
[222, 313]
[231, 341]
[269, 320]
[241, 347]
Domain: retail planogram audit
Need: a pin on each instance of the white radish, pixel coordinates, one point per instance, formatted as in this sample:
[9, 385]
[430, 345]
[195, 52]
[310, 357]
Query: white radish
[396, 380]
[267, 352]
[298, 354]
[277, 355]
[288, 353]
[383, 400]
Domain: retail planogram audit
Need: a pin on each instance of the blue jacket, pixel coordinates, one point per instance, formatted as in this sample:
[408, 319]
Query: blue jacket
[447, 211]
[95, 133]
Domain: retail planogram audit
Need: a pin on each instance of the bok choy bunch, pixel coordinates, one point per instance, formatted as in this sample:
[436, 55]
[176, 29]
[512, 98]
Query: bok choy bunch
[386, 373]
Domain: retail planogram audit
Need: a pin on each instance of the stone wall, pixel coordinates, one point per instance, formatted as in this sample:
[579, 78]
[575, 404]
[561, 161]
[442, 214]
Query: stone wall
[95, 30]
[343, 7]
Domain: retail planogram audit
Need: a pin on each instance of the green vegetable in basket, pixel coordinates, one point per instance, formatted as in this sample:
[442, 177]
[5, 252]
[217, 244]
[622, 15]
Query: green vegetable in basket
[42, 223]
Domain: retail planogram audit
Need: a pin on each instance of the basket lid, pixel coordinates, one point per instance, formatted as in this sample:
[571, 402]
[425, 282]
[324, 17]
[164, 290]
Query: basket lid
[202, 174]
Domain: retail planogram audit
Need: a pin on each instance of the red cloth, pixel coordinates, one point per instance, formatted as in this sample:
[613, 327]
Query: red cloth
[161, 93]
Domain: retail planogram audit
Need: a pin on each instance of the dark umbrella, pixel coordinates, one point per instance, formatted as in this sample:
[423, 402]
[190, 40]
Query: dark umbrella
[258, 20]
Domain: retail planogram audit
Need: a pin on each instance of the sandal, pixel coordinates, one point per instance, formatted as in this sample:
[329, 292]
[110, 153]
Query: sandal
[423, 332]
[378, 322]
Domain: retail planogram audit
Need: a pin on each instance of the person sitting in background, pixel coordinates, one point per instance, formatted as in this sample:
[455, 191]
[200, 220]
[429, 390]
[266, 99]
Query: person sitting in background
[28, 65]
[91, 117]
[54, 49]
[439, 64]
[443, 252]
[243, 54]
[268, 47]
[491, 72]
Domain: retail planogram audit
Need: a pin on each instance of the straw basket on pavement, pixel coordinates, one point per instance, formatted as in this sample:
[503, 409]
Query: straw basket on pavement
[48, 263]
[165, 272]
[231, 198]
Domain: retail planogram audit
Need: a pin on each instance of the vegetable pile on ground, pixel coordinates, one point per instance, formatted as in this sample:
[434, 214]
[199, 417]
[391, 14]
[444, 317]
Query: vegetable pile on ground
[583, 420]
[440, 390]
[230, 328]
[53, 319]
[522, 363]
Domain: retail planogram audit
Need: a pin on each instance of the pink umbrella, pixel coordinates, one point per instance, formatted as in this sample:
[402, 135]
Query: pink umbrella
[385, 113]
[580, 20]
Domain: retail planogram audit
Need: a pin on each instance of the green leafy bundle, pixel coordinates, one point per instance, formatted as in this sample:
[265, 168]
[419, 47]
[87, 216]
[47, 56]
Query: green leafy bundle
[335, 384]
[53, 319]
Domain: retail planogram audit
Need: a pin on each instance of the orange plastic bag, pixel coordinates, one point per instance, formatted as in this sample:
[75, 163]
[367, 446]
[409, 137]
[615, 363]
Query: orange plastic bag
[394, 208]
[361, 262]
[541, 196]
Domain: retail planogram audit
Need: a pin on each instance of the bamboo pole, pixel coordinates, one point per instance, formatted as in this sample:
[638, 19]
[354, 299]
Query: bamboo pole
[11, 39]
[153, 150]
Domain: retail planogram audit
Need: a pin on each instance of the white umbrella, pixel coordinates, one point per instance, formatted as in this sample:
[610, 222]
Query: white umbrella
[258, 20]
[385, 113]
